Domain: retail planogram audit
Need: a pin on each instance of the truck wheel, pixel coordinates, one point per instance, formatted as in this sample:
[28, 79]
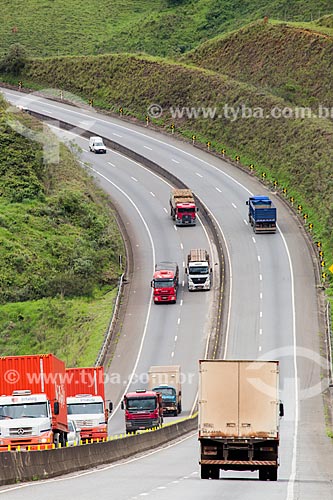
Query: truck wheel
[215, 473]
[263, 474]
[272, 474]
[204, 472]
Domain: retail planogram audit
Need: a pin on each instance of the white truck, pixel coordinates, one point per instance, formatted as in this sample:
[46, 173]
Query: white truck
[167, 381]
[198, 270]
[239, 410]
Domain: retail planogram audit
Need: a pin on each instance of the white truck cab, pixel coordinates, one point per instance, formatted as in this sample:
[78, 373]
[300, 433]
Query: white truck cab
[96, 145]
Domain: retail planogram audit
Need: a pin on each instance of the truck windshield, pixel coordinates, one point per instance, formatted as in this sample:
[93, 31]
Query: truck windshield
[198, 270]
[165, 391]
[84, 408]
[141, 404]
[26, 410]
[163, 283]
[185, 210]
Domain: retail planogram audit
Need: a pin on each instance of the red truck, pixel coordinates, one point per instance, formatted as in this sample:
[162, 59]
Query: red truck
[165, 282]
[143, 410]
[182, 207]
[33, 410]
[86, 401]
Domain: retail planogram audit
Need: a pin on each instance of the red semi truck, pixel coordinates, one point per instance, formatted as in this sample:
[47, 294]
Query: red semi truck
[86, 401]
[182, 207]
[143, 410]
[165, 282]
[33, 409]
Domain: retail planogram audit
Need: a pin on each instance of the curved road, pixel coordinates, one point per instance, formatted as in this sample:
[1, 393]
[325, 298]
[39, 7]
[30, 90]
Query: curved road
[274, 314]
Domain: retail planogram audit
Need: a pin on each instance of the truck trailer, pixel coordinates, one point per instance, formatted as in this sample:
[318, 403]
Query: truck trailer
[262, 214]
[167, 381]
[198, 270]
[143, 410]
[239, 412]
[33, 413]
[86, 402]
[165, 282]
[182, 207]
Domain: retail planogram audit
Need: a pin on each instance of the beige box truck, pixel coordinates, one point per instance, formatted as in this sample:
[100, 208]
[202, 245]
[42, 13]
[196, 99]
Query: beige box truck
[239, 410]
[167, 381]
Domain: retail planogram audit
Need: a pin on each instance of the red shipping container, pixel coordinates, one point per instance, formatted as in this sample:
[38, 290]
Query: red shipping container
[41, 373]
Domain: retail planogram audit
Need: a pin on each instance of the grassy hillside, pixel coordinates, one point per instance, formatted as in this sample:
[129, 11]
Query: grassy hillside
[59, 249]
[296, 152]
[158, 27]
[290, 61]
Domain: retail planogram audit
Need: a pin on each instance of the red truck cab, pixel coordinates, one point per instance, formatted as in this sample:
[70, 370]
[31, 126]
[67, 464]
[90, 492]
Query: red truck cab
[165, 282]
[143, 410]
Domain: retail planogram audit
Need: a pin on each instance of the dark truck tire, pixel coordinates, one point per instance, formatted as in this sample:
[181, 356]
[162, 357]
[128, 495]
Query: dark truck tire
[272, 473]
[208, 471]
[204, 472]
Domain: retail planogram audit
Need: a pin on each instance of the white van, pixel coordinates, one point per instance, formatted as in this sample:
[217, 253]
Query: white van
[96, 145]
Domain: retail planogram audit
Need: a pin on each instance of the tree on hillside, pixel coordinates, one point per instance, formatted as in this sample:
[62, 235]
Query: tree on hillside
[15, 59]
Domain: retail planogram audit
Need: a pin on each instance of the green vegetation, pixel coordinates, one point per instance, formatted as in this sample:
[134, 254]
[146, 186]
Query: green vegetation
[71, 328]
[59, 248]
[291, 61]
[157, 27]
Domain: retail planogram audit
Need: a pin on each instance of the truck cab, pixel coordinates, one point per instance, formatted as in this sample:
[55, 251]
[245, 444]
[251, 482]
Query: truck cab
[143, 410]
[165, 282]
[89, 414]
[198, 270]
[25, 420]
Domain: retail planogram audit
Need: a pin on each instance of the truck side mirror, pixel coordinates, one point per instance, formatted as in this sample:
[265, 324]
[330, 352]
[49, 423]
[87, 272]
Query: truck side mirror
[56, 408]
[210, 270]
[110, 407]
[185, 270]
[197, 209]
[151, 284]
[247, 202]
[180, 393]
[122, 406]
[281, 409]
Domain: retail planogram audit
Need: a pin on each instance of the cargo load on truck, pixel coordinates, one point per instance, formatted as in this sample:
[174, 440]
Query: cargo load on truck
[86, 402]
[167, 381]
[165, 282]
[262, 214]
[33, 412]
[198, 270]
[143, 410]
[239, 411]
[182, 207]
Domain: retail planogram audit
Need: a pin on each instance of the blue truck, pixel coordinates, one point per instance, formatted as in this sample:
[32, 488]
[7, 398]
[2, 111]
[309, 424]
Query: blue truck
[262, 214]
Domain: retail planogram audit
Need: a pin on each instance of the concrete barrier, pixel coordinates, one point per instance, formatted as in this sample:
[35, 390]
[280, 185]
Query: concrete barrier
[35, 465]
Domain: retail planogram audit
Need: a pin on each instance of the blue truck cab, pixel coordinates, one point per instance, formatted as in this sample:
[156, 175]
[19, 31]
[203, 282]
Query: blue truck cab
[262, 214]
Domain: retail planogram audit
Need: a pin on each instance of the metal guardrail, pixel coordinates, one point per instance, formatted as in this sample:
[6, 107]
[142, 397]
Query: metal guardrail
[108, 334]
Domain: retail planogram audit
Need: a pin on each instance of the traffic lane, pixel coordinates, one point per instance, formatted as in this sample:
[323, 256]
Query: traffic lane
[161, 474]
[314, 474]
[161, 347]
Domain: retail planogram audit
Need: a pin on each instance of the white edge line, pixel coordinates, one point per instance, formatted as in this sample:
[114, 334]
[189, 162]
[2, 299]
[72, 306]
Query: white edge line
[100, 469]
